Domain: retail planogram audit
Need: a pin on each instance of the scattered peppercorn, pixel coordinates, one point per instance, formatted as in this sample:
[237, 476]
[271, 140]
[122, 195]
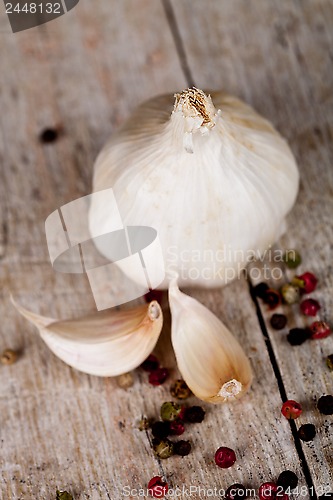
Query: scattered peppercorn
[150, 364]
[125, 381]
[235, 492]
[177, 428]
[180, 390]
[329, 362]
[225, 457]
[157, 488]
[290, 293]
[163, 448]
[287, 479]
[325, 405]
[160, 429]
[260, 290]
[8, 357]
[272, 298]
[144, 424]
[292, 259]
[194, 414]
[298, 336]
[182, 448]
[307, 282]
[278, 321]
[170, 411]
[159, 376]
[63, 495]
[267, 491]
[320, 330]
[48, 135]
[291, 409]
[310, 307]
[306, 432]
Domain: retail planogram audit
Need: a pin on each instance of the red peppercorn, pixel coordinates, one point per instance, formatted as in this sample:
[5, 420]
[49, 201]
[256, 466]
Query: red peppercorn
[225, 457]
[157, 487]
[150, 364]
[291, 409]
[272, 298]
[307, 282]
[159, 376]
[320, 330]
[310, 307]
[267, 491]
[177, 428]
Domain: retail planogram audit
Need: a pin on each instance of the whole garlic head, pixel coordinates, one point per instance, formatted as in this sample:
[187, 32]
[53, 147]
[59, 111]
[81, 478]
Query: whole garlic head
[213, 177]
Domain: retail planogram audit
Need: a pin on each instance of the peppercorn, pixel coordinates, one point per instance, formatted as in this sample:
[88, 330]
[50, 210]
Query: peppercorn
[194, 414]
[157, 488]
[125, 380]
[160, 429]
[225, 457]
[278, 321]
[329, 362]
[298, 336]
[272, 298]
[306, 432]
[290, 293]
[48, 135]
[177, 428]
[159, 376]
[8, 357]
[307, 282]
[291, 409]
[235, 492]
[320, 330]
[170, 411]
[180, 390]
[63, 495]
[325, 405]
[292, 259]
[163, 448]
[267, 491]
[144, 424]
[287, 479]
[150, 364]
[260, 290]
[182, 448]
[310, 307]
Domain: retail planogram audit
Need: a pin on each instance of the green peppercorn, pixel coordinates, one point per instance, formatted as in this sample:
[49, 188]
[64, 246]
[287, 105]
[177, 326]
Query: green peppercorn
[63, 495]
[144, 424]
[170, 411]
[292, 259]
[180, 390]
[163, 448]
[329, 362]
[290, 293]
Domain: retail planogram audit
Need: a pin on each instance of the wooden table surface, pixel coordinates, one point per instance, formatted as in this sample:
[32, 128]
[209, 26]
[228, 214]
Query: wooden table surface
[83, 74]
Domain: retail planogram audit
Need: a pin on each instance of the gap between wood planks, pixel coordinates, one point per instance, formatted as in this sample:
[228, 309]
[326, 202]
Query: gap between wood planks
[171, 18]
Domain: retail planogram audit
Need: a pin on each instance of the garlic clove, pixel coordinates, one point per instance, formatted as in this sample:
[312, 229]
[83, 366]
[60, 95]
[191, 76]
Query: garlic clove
[106, 344]
[210, 359]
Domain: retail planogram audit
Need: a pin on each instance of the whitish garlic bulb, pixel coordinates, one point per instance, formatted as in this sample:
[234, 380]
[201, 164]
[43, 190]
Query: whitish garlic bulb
[214, 178]
[106, 343]
[210, 359]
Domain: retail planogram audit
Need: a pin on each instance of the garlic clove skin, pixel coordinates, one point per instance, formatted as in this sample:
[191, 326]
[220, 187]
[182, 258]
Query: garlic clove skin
[105, 344]
[211, 361]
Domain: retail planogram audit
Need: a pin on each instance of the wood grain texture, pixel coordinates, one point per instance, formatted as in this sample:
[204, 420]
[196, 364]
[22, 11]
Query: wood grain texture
[83, 74]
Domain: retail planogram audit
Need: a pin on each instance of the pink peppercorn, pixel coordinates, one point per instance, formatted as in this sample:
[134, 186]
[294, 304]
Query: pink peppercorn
[159, 376]
[291, 409]
[225, 457]
[267, 491]
[157, 487]
[307, 282]
[310, 307]
[176, 428]
[320, 330]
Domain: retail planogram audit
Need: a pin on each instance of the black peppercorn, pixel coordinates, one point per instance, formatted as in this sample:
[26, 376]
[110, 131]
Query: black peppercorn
[48, 135]
[306, 432]
[278, 321]
[194, 414]
[259, 290]
[298, 336]
[287, 479]
[150, 364]
[235, 492]
[182, 448]
[325, 405]
[160, 429]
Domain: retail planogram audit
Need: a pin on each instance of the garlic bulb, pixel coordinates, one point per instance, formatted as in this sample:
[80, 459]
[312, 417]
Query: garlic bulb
[105, 344]
[213, 177]
[210, 359]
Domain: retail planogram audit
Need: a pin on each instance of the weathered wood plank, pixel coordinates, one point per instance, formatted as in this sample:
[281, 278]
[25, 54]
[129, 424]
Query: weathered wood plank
[277, 56]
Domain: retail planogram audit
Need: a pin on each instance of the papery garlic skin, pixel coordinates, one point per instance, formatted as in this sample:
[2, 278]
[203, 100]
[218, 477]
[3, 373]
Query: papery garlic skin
[211, 361]
[105, 344]
[213, 177]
